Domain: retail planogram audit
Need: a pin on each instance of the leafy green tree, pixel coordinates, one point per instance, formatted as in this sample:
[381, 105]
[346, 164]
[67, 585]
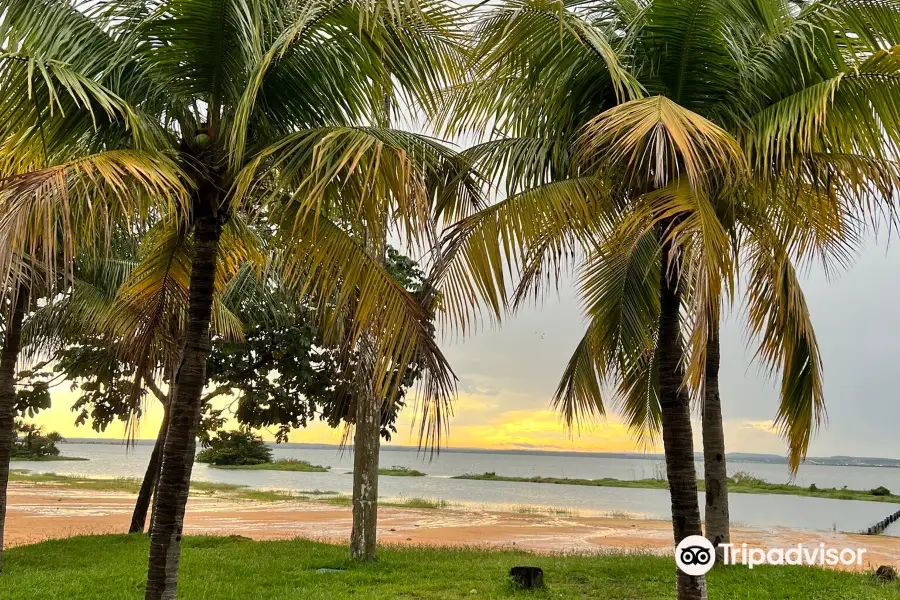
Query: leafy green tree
[658, 145]
[239, 447]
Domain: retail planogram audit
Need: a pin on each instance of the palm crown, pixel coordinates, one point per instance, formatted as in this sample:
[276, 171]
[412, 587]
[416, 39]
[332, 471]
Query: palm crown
[274, 110]
[707, 131]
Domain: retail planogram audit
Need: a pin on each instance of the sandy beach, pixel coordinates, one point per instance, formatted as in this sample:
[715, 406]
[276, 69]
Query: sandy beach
[40, 512]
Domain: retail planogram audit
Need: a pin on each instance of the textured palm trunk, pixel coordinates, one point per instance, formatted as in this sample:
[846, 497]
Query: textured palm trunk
[184, 416]
[151, 476]
[366, 447]
[12, 343]
[715, 472]
[676, 420]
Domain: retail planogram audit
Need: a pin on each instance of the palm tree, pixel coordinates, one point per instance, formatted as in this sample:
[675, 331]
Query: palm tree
[276, 110]
[123, 314]
[65, 140]
[665, 141]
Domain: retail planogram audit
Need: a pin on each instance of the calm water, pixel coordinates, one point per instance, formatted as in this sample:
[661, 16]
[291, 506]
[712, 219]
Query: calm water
[112, 460]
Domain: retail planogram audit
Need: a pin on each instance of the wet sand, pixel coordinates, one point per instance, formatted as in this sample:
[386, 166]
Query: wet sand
[40, 512]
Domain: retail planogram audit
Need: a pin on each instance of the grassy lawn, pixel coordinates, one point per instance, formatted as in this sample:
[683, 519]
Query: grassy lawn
[282, 464]
[739, 484]
[114, 568]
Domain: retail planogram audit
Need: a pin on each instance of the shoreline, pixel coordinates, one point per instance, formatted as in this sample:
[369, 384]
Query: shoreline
[742, 485]
[45, 510]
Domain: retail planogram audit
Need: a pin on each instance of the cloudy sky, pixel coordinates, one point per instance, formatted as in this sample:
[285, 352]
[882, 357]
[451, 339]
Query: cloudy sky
[508, 374]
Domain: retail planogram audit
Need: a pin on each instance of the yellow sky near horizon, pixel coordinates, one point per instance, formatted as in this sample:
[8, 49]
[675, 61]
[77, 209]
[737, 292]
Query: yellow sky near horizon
[479, 422]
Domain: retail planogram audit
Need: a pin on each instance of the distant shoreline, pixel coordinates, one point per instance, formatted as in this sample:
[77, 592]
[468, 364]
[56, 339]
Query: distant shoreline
[48, 459]
[746, 485]
[735, 457]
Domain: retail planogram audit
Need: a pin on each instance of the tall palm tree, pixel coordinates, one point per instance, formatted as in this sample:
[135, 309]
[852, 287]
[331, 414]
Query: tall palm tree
[667, 141]
[275, 109]
[65, 140]
[123, 313]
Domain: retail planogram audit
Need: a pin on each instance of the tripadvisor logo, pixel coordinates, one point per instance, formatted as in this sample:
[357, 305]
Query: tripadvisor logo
[695, 555]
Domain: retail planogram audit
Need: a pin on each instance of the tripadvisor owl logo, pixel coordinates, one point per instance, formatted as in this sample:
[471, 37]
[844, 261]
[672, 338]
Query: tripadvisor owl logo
[695, 555]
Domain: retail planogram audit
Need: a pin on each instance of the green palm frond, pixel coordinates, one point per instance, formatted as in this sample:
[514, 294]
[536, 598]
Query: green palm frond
[619, 288]
[580, 392]
[412, 43]
[852, 112]
[542, 67]
[366, 173]
[479, 252]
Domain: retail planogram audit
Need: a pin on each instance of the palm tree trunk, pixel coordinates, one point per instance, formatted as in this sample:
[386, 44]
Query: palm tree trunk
[676, 419]
[366, 447]
[8, 359]
[148, 485]
[714, 469]
[184, 416]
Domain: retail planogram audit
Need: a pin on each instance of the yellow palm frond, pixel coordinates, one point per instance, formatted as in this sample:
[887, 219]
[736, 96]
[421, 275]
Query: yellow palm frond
[50, 212]
[779, 317]
[656, 140]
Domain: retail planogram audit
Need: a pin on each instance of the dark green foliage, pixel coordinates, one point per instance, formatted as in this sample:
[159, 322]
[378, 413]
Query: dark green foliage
[311, 380]
[283, 464]
[106, 384]
[235, 448]
[739, 483]
[33, 390]
[32, 443]
[396, 471]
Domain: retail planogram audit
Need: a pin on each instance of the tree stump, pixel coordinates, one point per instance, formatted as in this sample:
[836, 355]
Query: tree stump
[886, 573]
[527, 578]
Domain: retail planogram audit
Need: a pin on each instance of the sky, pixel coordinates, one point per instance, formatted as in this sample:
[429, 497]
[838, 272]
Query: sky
[507, 375]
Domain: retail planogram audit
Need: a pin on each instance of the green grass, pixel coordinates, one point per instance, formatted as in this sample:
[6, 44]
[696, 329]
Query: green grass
[740, 483]
[282, 464]
[401, 472]
[234, 568]
[45, 458]
[417, 503]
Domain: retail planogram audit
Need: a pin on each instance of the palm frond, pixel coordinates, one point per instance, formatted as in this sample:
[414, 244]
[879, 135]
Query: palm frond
[48, 213]
[656, 140]
[480, 252]
[779, 317]
[353, 292]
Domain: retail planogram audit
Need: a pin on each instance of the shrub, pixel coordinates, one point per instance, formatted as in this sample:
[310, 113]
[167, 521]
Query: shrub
[31, 442]
[235, 448]
[880, 491]
[813, 488]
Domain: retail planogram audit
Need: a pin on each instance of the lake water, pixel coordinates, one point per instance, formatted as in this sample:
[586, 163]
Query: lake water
[762, 511]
